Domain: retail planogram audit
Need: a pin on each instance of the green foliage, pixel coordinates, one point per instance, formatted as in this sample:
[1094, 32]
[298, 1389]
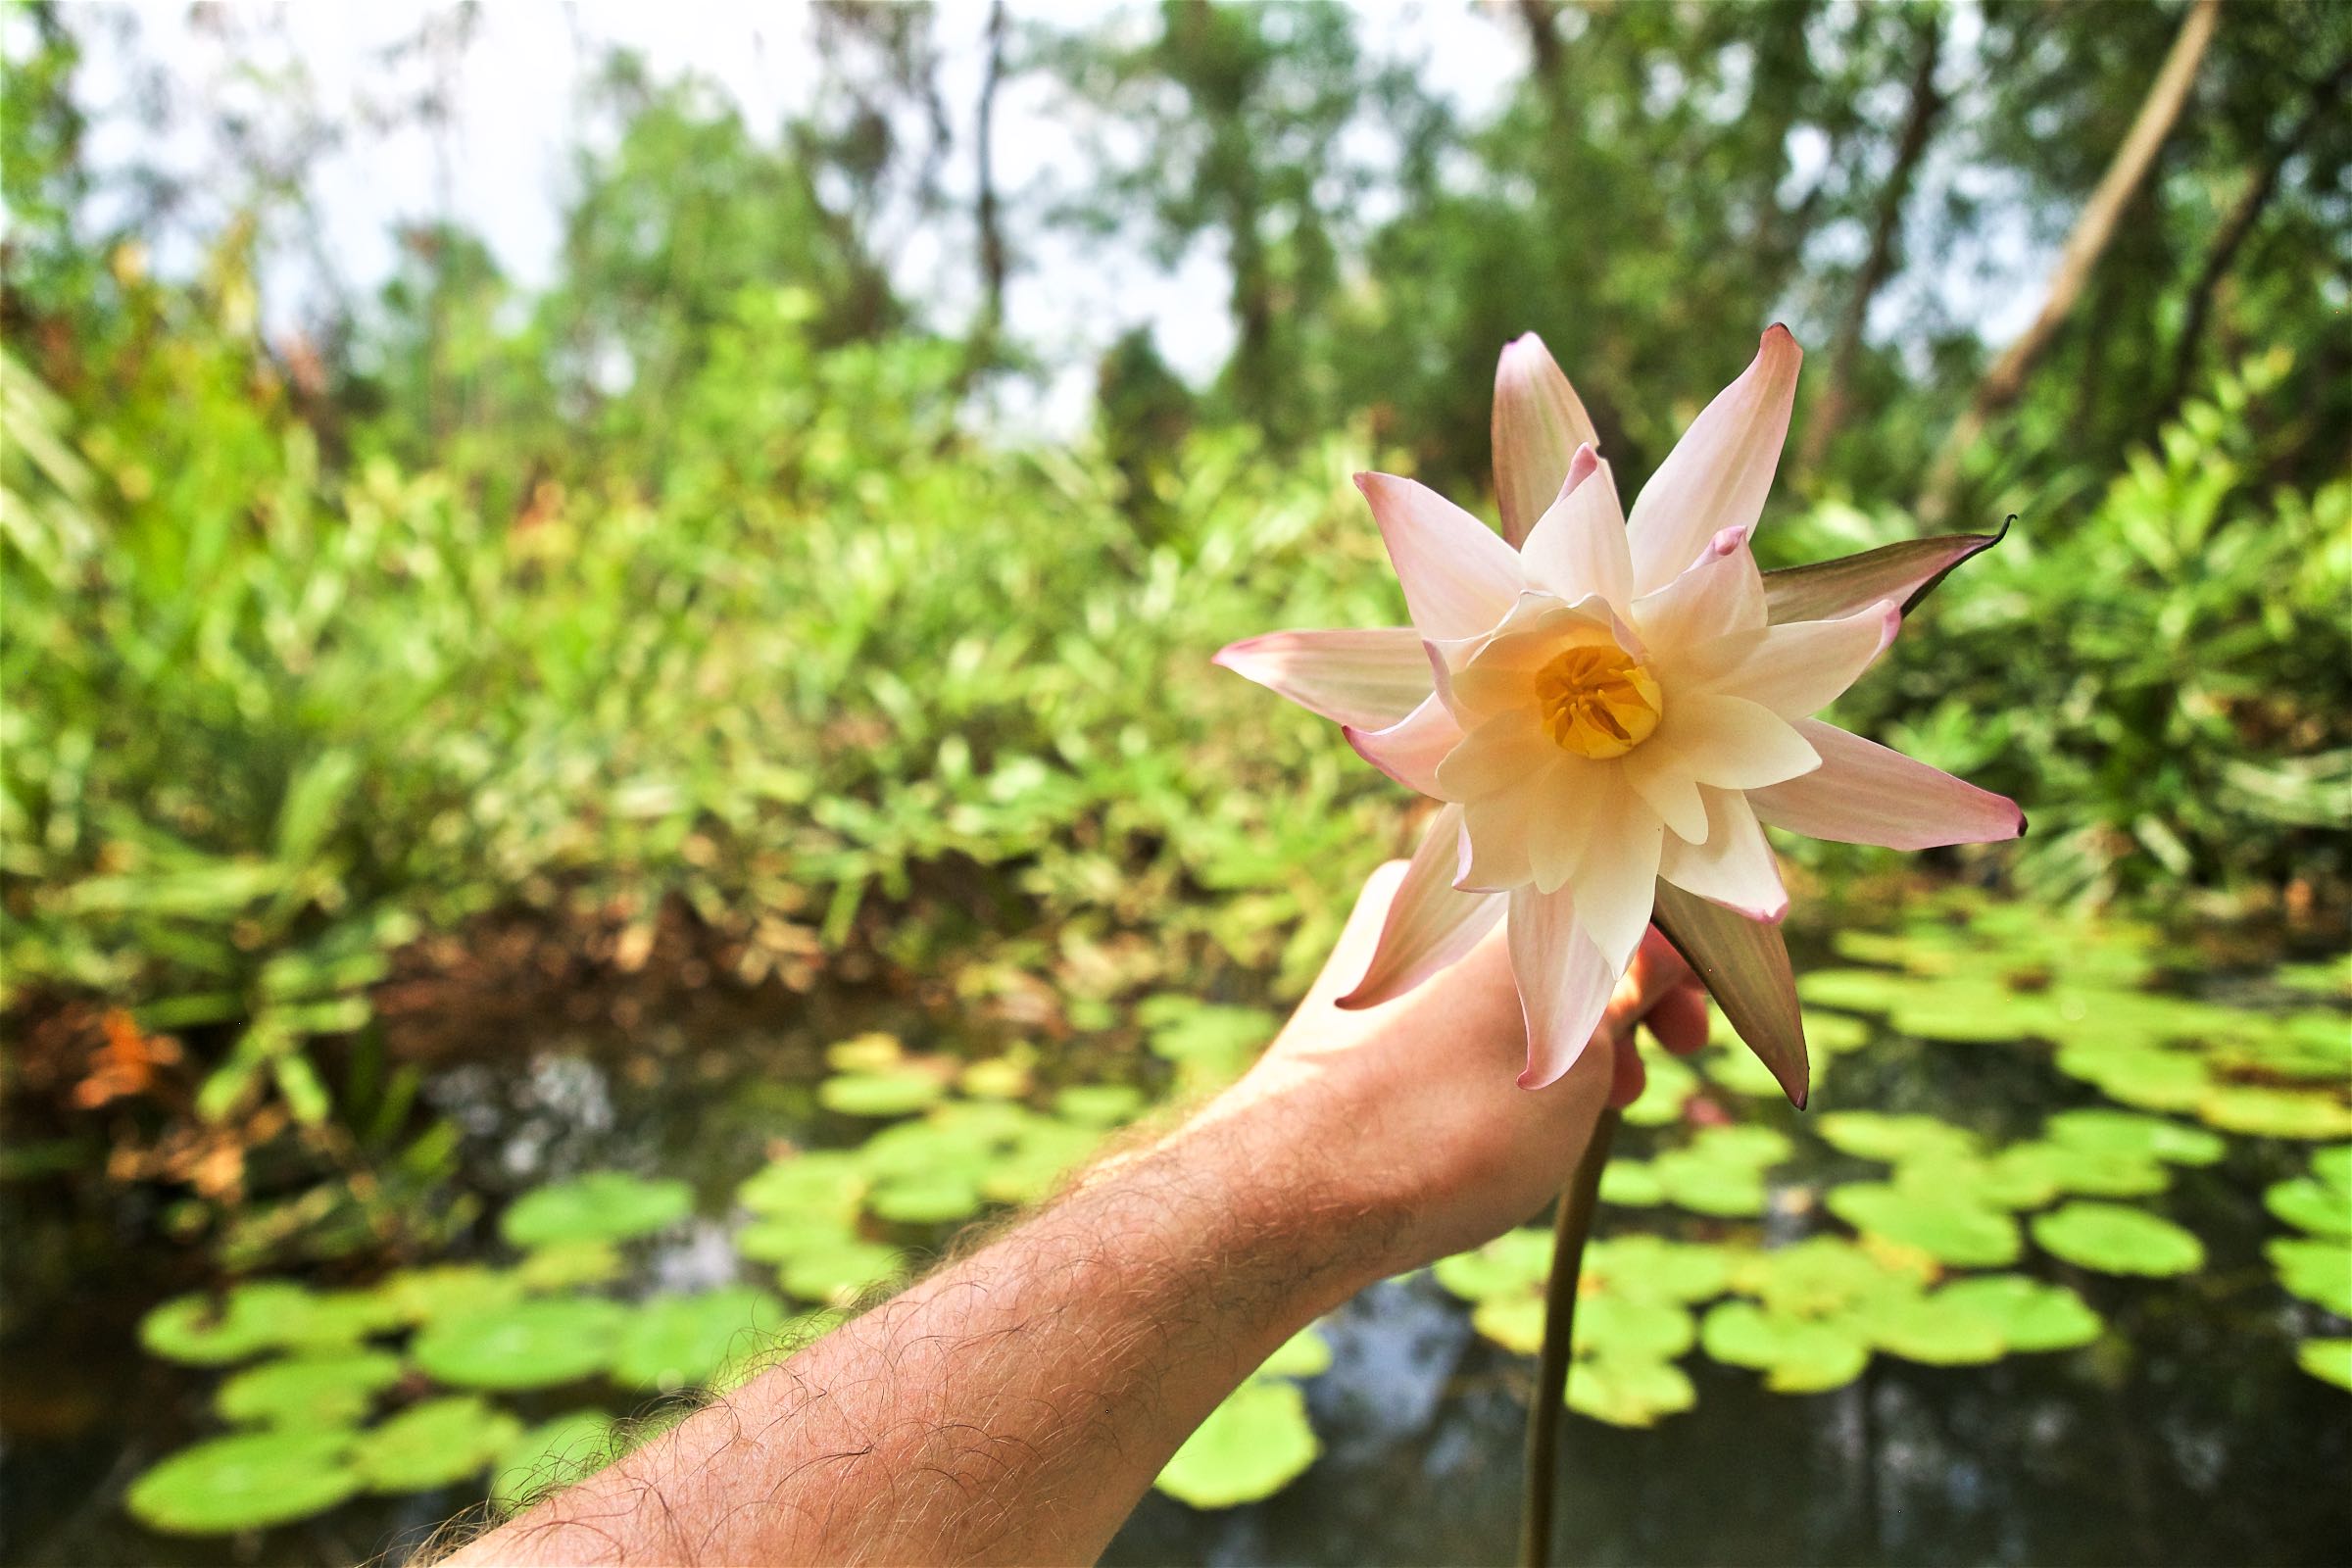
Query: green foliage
[245, 1482]
[1258, 1441]
[606, 1205]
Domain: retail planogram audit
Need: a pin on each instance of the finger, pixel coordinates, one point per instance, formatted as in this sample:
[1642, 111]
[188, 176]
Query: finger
[1630, 1076]
[1679, 1019]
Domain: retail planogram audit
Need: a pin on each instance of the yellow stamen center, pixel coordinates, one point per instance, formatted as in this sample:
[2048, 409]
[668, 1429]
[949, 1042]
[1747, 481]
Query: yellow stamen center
[1597, 701]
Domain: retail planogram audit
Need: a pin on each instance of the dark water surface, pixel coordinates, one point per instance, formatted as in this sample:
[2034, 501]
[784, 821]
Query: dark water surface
[2185, 1435]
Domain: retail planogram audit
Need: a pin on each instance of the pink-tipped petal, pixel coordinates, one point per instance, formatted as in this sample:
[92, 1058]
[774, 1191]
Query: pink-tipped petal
[1863, 793]
[1368, 678]
[1903, 572]
[1798, 668]
[1718, 474]
[1581, 467]
[1409, 750]
[1746, 966]
[1577, 548]
[1429, 926]
[1730, 742]
[1720, 595]
[1616, 880]
[1538, 426]
[1564, 983]
[1734, 867]
[1459, 578]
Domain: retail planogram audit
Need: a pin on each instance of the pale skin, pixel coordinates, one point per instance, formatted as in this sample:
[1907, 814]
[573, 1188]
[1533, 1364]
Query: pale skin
[1013, 1406]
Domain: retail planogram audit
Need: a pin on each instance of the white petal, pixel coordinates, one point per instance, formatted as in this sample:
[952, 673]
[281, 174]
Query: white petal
[1409, 750]
[1459, 577]
[1538, 426]
[1564, 983]
[1579, 548]
[1729, 741]
[1722, 594]
[1501, 754]
[1799, 667]
[1734, 867]
[1616, 881]
[1429, 924]
[1656, 774]
[1866, 794]
[1368, 678]
[1719, 472]
[1499, 831]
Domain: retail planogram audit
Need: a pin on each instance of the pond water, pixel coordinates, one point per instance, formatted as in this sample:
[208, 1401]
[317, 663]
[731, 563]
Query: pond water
[2185, 1432]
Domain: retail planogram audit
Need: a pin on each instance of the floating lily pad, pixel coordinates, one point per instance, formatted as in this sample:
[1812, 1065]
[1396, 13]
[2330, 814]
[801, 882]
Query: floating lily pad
[1886, 1137]
[2087, 1171]
[2317, 1269]
[1252, 1445]
[551, 1455]
[1099, 1105]
[879, 1095]
[1938, 1330]
[1855, 990]
[531, 1345]
[1627, 1391]
[337, 1318]
[1669, 1085]
[1631, 1184]
[677, 1341]
[1618, 1326]
[605, 1205]
[2115, 1239]
[1038, 1162]
[1218, 1039]
[2147, 1076]
[837, 1276]
[1513, 1322]
[449, 1290]
[867, 1052]
[1796, 1354]
[2334, 1166]
[1732, 1065]
[2121, 1132]
[247, 1482]
[995, 1078]
[1515, 1263]
[823, 1181]
[2031, 1315]
[773, 1241]
[1652, 1268]
[2311, 1205]
[1305, 1355]
[2332, 978]
[569, 1265]
[242, 1322]
[1950, 1230]
[2016, 1178]
[2276, 1112]
[1824, 1276]
[940, 1199]
[2328, 1361]
[436, 1444]
[1834, 1033]
[1705, 1185]
[310, 1391]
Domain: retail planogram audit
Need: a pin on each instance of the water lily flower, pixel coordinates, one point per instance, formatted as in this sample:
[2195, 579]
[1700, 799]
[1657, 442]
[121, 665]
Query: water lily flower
[1611, 707]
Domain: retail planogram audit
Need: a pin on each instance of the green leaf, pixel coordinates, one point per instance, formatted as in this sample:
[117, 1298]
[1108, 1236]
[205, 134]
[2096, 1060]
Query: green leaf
[2030, 1314]
[448, 1290]
[311, 1391]
[940, 1199]
[2317, 1269]
[1669, 1084]
[1305, 1355]
[2276, 1112]
[1887, 1137]
[1938, 1330]
[1515, 1263]
[569, 1265]
[247, 1482]
[605, 1205]
[822, 1181]
[2121, 1132]
[1653, 1268]
[1620, 1326]
[436, 1444]
[879, 1095]
[1950, 1230]
[1252, 1445]
[2328, 1361]
[243, 1322]
[1797, 1355]
[2115, 1239]
[836, 1276]
[1906, 572]
[1744, 964]
[1627, 1391]
[1825, 1277]
[677, 1341]
[531, 1345]
[1099, 1105]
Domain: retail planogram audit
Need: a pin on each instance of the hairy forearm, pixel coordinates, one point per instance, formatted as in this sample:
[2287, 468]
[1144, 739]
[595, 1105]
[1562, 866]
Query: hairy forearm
[1013, 1406]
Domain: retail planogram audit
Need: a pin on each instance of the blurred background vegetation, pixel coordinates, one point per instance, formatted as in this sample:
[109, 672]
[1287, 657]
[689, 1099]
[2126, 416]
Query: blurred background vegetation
[403, 671]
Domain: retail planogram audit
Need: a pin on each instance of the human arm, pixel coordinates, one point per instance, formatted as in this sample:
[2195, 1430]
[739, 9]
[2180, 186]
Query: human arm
[1014, 1405]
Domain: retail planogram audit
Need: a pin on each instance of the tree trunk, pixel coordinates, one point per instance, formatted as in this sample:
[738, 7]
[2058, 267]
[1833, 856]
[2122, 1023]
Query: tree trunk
[2238, 224]
[1911, 143]
[993, 263]
[1543, 45]
[2093, 230]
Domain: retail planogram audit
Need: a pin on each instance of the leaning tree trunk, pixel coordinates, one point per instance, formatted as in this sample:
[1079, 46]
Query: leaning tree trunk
[2005, 382]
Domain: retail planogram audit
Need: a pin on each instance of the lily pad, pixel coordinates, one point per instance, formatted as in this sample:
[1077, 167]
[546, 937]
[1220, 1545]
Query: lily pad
[823, 1181]
[1099, 1105]
[310, 1391]
[1625, 1327]
[2311, 1205]
[2115, 1239]
[1940, 1330]
[553, 1453]
[1856, 989]
[2147, 1076]
[1692, 1180]
[448, 1290]
[246, 1482]
[1627, 1391]
[2121, 1132]
[1796, 1354]
[437, 1444]
[1513, 1322]
[942, 1198]
[1887, 1137]
[1631, 1184]
[2087, 1171]
[773, 1241]
[1305, 1355]
[879, 1095]
[995, 1078]
[676, 1341]
[1652, 1268]
[531, 1345]
[1669, 1085]
[2328, 1361]
[1039, 1161]
[2016, 1178]
[2276, 1112]
[1252, 1445]
[605, 1205]
[240, 1323]
[1733, 1066]
[569, 1265]
[2318, 1270]
[1515, 1263]
[1834, 1033]
[836, 1276]
[867, 1052]
[1953, 1231]
[2031, 1315]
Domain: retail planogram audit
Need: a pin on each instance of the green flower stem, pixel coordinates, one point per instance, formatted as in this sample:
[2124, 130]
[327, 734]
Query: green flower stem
[1569, 1231]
